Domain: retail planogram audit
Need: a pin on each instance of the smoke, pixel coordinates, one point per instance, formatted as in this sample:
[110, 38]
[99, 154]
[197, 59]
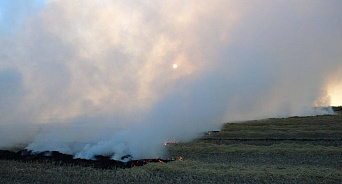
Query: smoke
[95, 77]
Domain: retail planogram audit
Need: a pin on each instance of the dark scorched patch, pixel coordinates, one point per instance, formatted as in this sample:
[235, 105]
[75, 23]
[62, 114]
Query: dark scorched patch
[102, 162]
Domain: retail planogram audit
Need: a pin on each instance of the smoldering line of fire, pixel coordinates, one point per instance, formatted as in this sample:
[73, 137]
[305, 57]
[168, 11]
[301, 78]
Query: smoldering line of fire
[98, 80]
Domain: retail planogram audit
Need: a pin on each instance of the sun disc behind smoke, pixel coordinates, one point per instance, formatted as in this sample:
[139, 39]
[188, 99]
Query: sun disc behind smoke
[174, 66]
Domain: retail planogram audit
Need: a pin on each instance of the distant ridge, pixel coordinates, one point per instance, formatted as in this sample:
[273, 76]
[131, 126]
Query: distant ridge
[337, 108]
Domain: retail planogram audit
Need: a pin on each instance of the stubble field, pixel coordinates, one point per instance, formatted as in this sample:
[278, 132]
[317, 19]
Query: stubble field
[291, 150]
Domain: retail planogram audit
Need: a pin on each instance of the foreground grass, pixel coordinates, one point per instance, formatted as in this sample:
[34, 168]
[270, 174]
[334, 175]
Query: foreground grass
[292, 150]
[188, 171]
[232, 170]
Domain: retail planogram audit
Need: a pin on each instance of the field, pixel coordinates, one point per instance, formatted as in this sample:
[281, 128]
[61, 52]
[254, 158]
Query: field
[291, 150]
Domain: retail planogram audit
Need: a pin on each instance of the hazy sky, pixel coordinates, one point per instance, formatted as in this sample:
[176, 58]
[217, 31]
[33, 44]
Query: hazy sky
[96, 76]
[14, 12]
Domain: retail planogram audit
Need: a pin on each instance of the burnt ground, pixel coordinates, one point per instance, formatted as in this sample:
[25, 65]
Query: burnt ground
[291, 150]
[99, 161]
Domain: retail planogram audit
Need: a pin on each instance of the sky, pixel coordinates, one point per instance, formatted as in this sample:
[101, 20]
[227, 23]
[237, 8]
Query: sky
[97, 76]
[14, 12]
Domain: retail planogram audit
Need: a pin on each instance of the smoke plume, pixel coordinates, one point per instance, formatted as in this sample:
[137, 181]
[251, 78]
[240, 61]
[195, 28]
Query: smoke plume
[96, 77]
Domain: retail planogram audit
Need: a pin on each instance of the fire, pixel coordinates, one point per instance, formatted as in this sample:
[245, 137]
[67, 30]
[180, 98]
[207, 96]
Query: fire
[173, 141]
[179, 158]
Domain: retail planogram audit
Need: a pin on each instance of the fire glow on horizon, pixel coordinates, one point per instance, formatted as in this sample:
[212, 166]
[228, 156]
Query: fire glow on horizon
[98, 79]
[335, 93]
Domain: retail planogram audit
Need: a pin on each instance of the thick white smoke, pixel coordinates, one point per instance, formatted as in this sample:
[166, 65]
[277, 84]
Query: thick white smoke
[95, 77]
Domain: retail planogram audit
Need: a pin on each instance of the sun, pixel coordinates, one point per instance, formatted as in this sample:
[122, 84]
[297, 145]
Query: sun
[174, 66]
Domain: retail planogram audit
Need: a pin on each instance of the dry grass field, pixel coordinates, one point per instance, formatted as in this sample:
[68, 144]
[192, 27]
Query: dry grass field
[291, 150]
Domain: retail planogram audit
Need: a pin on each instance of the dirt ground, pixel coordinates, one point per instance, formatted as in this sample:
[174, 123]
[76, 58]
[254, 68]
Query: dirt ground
[291, 150]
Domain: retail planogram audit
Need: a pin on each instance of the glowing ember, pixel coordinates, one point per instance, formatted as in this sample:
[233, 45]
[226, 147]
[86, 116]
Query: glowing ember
[173, 141]
[178, 159]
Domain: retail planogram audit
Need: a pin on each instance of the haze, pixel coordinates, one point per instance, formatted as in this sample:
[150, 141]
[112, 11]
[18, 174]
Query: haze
[97, 76]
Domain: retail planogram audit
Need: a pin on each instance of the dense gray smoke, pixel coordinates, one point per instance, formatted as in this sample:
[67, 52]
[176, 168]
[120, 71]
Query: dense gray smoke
[97, 77]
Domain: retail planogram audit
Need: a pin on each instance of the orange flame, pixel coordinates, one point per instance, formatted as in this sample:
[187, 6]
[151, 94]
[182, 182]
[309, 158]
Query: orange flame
[173, 141]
